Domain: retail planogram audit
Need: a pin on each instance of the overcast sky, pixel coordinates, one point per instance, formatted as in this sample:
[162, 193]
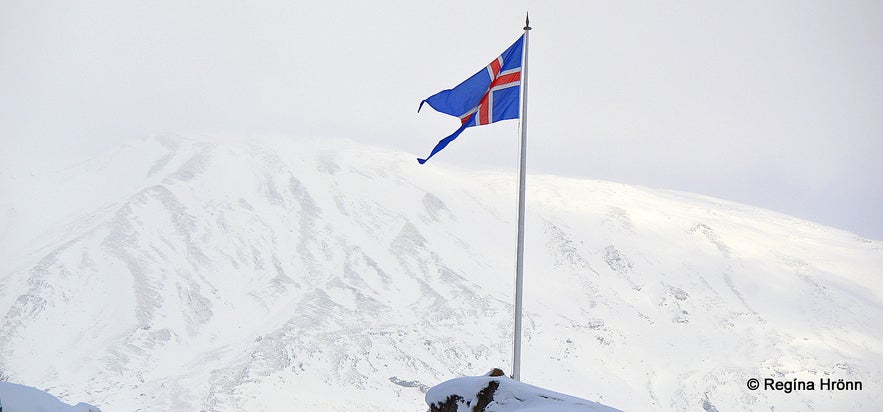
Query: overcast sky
[777, 104]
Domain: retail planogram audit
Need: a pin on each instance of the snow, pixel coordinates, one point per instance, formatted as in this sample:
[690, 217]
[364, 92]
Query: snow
[510, 396]
[173, 274]
[20, 398]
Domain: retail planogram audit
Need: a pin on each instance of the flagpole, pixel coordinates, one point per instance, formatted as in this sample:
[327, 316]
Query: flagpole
[522, 169]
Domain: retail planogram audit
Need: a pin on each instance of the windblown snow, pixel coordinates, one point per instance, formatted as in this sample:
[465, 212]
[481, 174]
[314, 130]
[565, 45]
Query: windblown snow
[173, 274]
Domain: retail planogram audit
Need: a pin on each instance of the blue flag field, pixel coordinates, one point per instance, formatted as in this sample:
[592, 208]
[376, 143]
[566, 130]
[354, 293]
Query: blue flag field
[488, 96]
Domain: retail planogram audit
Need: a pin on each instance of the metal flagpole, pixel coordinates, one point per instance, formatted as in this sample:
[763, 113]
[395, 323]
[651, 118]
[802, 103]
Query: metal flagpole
[522, 169]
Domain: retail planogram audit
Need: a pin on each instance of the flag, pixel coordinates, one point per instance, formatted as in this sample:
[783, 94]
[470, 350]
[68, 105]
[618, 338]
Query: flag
[488, 96]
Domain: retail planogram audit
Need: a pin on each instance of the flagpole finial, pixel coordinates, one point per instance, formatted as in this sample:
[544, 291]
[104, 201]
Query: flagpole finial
[526, 21]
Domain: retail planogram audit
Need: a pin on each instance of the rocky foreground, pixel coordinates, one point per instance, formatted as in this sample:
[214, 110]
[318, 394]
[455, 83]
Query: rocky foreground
[494, 392]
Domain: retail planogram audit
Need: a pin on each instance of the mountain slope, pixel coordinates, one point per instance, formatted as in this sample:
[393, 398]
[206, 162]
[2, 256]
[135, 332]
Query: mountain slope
[181, 275]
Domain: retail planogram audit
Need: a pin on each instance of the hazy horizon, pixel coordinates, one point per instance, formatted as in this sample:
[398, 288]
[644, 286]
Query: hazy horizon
[773, 105]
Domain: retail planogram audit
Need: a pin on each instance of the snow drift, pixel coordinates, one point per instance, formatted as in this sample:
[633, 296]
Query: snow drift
[495, 392]
[21, 398]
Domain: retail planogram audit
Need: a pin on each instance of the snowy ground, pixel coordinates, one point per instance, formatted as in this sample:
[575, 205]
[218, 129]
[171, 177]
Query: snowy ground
[20, 398]
[507, 396]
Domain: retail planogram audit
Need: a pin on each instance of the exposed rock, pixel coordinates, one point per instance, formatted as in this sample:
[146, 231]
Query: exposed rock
[482, 400]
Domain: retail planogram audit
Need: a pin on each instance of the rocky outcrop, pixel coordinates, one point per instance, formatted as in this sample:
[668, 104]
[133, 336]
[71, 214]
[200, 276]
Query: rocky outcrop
[494, 392]
[482, 399]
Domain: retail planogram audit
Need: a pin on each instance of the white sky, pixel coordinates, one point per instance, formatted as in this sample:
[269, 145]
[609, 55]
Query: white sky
[775, 104]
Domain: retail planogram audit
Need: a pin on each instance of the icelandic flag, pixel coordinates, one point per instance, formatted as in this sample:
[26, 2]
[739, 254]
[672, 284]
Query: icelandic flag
[488, 96]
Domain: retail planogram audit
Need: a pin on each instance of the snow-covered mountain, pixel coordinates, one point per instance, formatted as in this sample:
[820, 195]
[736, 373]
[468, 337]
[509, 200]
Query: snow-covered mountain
[173, 274]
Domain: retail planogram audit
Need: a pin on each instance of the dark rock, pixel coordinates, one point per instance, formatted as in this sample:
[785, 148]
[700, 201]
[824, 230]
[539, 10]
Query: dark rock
[449, 405]
[486, 395]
